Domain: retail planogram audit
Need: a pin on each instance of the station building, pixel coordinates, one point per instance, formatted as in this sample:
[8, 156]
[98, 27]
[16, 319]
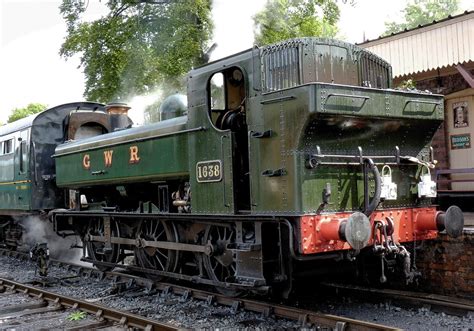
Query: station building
[439, 57]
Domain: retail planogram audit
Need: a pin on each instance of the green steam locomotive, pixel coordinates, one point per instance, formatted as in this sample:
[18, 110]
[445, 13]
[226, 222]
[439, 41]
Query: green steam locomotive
[281, 161]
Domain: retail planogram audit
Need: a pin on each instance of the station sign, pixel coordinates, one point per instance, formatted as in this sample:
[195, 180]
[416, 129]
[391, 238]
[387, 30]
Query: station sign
[460, 141]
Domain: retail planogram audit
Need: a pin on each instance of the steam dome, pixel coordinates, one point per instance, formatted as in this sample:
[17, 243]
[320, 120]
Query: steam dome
[173, 106]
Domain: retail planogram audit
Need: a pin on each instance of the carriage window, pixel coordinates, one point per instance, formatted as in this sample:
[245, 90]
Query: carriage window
[8, 146]
[23, 156]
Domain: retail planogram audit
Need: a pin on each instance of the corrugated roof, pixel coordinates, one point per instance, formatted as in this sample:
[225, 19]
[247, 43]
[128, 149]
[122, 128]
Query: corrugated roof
[435, 45]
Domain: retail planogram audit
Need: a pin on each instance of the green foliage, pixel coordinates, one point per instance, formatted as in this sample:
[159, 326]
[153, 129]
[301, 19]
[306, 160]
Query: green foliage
[138, 45]
[420, 12]
[77, 315]
[408, 84]
[284, 19]
[31, 109]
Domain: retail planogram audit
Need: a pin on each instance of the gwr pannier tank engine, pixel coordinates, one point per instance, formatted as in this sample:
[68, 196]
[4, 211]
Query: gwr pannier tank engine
[285, 159]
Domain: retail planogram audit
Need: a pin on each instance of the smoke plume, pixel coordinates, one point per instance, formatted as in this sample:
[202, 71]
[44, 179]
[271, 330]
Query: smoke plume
[37, 230]
[140, 104]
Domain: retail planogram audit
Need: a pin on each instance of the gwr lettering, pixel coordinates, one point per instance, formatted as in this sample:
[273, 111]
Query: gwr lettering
[134, 158]
[86, 161]
[108, 158]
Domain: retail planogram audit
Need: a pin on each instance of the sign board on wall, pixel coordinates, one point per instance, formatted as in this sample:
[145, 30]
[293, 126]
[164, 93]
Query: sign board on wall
[460, 141]
[460, 114]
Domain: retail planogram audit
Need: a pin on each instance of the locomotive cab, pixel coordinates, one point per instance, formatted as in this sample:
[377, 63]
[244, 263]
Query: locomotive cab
[226, 99]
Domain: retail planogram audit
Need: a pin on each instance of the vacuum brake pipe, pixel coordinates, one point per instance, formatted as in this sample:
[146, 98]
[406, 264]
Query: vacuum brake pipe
[370, 207]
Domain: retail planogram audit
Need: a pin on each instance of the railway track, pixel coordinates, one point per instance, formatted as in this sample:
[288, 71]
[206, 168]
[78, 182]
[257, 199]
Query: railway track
[126, 281]
[52, 309]
[437, 303]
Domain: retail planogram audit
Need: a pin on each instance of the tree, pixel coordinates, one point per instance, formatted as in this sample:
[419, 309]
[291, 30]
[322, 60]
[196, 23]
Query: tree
[408, 84]
[420, 12]
[284, 19]
[31, 109]
[138, 45]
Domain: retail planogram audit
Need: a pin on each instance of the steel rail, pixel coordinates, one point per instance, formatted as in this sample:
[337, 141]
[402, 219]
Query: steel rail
[121, 317]
[417, 297]
[305, 317]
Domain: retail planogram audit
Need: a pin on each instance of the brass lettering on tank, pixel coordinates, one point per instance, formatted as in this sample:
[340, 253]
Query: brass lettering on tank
[86, 161]
[108, 158]
[134, 158]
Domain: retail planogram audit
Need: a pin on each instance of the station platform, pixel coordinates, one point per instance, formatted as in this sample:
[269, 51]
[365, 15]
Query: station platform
[447, 264]
[469, 219]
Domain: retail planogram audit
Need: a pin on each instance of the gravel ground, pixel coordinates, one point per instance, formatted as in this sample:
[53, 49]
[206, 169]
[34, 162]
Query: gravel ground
[197, 314]
[400, 315]
[191, 314]
[45, 321]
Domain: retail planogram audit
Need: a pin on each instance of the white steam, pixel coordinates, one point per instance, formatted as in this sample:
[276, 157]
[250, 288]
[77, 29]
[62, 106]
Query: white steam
[140, 103]
[37, 231]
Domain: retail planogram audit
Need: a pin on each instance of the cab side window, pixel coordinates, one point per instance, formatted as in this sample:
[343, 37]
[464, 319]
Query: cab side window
[226, 94]
[217, 96]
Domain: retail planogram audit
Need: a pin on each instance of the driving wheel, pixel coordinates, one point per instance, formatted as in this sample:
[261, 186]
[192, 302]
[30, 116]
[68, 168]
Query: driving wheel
[221, 265]
[97, 251]
[156, 258]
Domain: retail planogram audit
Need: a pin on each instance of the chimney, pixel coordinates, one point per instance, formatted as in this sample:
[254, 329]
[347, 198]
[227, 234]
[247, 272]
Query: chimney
[118, 113]
[117, 108]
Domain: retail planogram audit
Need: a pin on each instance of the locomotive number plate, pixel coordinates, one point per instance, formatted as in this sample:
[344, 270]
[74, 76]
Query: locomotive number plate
[209, 171]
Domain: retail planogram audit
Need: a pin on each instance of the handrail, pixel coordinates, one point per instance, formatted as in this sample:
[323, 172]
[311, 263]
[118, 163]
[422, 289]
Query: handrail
[422, 101]
[342, 95]
[447, 172]
[347, 96]
[454, 171]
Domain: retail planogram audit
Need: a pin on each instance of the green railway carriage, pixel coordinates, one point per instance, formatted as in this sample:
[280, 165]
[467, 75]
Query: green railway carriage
[27, 171]
[288, 157]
